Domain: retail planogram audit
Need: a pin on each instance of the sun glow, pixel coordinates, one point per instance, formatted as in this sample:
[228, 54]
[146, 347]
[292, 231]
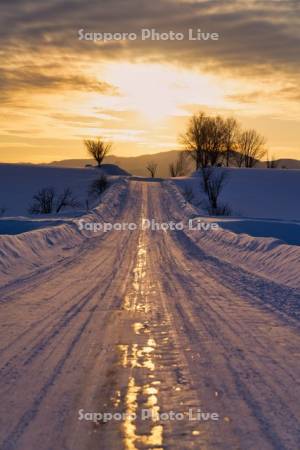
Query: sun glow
[159, 91]
[143, 110]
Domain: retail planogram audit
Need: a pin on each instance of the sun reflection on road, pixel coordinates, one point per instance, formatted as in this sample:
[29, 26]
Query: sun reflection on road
[137, 298]
[134, 356]
[139, 360]
[155, 436]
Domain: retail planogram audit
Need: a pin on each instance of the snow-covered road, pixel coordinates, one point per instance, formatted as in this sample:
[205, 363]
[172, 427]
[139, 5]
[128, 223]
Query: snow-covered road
[147, 320]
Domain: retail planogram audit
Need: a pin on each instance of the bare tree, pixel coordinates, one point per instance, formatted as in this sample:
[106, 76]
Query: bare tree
[46, 201]
[231, 133]
[251, 146]
[204, 140]
[66, 199]
[216, 141]
[178, 168]
[213, 181]
[195, 139]
[43, 201]
[152, 168]
[98, 149]
[239, 158]
[208, 140]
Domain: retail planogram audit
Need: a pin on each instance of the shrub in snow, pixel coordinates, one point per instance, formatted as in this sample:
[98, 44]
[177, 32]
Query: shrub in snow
[152, 168]
[212, 183]
[66, 199]
[46, 201]
[178, 168]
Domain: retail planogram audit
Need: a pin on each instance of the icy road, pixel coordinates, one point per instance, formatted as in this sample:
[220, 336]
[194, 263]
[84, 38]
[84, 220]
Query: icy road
[146, 322]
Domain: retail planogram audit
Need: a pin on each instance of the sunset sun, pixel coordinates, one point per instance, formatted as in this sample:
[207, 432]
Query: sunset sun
[158, 91]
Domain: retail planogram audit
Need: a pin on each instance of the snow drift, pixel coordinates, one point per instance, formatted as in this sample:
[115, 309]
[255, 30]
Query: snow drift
[266, 257]
[24, 253]
[19, 182]
[256, 193]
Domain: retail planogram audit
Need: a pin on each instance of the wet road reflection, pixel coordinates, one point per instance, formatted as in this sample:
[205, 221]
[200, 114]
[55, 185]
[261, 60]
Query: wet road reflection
[137, 298]
[154, 437]
[139, 396]
[153, 377]
[141, 357]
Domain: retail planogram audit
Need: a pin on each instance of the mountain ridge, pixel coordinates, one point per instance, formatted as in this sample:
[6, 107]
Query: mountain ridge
[136, 165]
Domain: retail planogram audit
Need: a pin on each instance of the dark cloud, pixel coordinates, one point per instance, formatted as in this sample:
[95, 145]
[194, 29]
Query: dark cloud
[254, 32]
[257, 38]
[24, 78]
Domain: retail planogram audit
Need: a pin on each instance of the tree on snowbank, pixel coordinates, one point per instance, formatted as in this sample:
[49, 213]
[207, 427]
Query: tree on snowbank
[211, 141]
[251, 147]
[98, 149]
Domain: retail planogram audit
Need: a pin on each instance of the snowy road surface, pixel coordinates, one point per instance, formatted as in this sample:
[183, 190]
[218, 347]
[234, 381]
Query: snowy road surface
[146, 320]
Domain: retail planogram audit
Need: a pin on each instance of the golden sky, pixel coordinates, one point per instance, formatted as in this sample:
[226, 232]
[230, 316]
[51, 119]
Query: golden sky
[57, 90]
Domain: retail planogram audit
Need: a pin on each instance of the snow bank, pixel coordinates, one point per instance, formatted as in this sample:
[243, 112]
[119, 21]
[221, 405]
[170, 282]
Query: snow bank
[21, 224]
[256, 193]
[112, 169]
[266, 257]
[288, 232]
[23, 253]
[19, 182]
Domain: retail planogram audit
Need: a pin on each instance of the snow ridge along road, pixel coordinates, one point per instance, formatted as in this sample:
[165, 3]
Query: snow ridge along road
[147, 320]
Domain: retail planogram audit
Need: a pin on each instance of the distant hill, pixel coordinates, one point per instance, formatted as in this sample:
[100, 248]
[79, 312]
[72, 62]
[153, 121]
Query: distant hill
[288, 163]
[136, 165]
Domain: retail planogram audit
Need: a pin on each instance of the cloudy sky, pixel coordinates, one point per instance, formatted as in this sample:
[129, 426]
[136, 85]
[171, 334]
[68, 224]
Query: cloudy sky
[57, 89]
